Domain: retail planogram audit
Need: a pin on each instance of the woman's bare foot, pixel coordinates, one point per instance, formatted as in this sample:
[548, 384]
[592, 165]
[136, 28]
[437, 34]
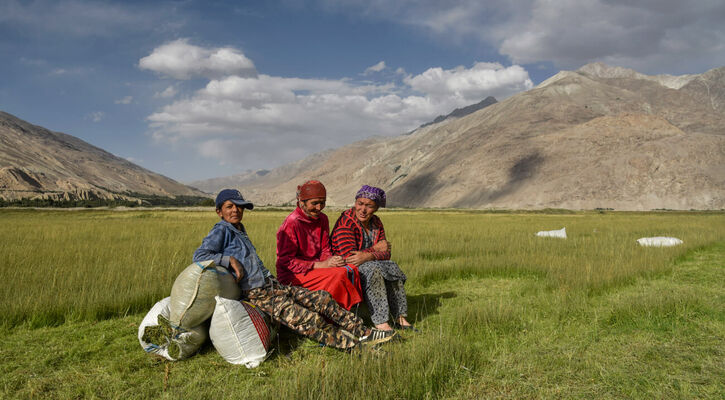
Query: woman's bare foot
[384, 327]
[403, 322]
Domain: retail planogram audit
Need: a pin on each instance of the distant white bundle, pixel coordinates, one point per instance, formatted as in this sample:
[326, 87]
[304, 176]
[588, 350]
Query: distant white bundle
[240, 332]
[560, 233]
[659, 241]
[192, 296]
[181, 344]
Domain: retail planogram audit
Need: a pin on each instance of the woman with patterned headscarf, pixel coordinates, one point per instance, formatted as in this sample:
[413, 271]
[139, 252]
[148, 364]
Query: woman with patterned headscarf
[304, 257]
[359, 236]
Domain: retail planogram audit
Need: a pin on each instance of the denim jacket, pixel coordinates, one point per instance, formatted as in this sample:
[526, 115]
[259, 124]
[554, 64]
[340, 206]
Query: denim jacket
[224, 241]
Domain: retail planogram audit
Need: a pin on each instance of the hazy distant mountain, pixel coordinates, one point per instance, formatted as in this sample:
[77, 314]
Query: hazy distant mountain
[38, 163]
[600, 136]
[463, 111]
[215, 184]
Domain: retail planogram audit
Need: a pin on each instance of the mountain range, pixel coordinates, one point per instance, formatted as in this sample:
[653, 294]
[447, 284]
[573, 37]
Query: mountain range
[597, 137]
[36, 163]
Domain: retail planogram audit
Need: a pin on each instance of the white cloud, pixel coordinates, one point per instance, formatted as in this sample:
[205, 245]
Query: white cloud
[375, 68]
[645, 35]
[668, 36]
[471, 85]
[237, 106]
[69, 71]
[167, 93]
[96, 116]
[125, 100]
[263, 120]
[181, 60]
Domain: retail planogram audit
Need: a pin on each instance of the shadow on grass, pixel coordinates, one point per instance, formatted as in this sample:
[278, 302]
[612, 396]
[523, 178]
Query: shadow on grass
[424, 305]
[419, 307]
[286, 341]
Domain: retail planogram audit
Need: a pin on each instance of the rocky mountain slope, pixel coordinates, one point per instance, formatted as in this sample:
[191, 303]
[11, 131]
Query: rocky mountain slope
[38, 163]
[600, 136]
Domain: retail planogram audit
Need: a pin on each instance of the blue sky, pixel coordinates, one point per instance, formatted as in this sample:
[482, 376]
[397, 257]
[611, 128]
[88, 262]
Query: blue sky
[201, 89]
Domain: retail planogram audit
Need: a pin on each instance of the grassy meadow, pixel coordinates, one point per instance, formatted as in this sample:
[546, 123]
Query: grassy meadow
[502, 313]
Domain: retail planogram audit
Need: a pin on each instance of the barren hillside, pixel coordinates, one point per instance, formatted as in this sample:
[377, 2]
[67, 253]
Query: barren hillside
[601, 136]
[38, 163]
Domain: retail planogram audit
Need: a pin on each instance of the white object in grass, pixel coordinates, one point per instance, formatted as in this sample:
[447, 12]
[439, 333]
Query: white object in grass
[560, 233]
[240, 332]
[192, 296]
[659, 241]
[188, 342]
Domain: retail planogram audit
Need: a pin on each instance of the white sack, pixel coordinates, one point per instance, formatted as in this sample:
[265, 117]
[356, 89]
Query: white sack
[659, 241]
[240, 332]
[181, 344]
[561, 233]
[192, 296]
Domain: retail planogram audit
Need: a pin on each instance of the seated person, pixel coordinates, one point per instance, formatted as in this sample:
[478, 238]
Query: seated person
[359, 236]
[300, 309]
[303, 250]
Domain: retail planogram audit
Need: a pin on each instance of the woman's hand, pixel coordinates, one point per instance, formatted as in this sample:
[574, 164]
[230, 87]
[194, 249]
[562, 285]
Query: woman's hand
[382, 245]
[358, 257]
[334, 261]
[237, 267]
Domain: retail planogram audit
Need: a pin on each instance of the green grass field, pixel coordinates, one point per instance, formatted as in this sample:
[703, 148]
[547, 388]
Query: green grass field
[503, 314]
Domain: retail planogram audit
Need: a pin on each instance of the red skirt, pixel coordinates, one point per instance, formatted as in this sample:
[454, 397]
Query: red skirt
[343, 283]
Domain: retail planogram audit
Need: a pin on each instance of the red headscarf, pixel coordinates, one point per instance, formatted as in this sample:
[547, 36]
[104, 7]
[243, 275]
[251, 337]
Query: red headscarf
[311, 190]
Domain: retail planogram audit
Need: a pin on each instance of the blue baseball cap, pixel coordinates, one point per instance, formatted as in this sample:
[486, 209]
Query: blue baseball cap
[235, 196]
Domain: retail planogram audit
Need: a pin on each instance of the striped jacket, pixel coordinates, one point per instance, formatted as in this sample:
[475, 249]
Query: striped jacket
[347, 235]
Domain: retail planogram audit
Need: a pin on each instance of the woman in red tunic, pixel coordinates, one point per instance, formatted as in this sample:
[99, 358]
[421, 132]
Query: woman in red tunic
[303, 250]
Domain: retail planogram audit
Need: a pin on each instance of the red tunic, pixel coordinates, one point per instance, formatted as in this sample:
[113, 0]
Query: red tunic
[301, 241]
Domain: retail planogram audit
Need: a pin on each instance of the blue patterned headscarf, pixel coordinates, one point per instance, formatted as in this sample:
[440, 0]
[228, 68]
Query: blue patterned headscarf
[373, 193]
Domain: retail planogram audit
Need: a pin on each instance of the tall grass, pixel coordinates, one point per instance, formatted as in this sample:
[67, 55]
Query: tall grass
[68, 265]
[601, 249]
[502, 313]
[61, 265]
